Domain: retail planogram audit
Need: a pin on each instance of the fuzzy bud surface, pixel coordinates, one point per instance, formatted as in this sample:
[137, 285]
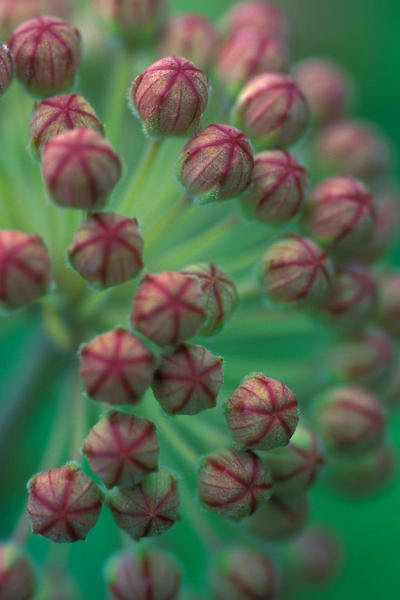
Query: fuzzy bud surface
[6, 68]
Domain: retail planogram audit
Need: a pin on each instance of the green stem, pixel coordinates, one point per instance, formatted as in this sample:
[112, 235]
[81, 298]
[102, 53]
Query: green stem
[79, 422]
[167, 220]
[116, 108]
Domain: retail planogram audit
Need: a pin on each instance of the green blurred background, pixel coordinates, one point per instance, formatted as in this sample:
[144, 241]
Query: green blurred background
[363, 36]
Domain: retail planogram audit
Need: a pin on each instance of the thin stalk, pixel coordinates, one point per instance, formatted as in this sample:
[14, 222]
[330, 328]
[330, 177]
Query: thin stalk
[167, 220]
[79, 421]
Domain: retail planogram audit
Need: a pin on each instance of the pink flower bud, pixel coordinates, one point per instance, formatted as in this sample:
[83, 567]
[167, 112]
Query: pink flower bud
[242, 573]
[80, 169]
[314, 557]
[262, 413]
[296, 270]
[263, 16]
[272, 110]
[353, 296]
[280, 518]
[122, 449]
[57, 115]
[192, 36]
[389, 306]
[47, 54]
[353, 148]
[17, 577]
[168, 308]
[15, 12]
[107, 250]
[149, 509]
[135, 21]
[367, 358]
[233, 483]
[188, 380]
[116, 367]
[170, 97]
[64, 504]
[295, 468]
[216, 164]
[6, 68]
[327, 88]
[220, 293]
[277, 188]
[136, 576]
[350, 419]
[340, 213]
[24, 268]
[247, 53]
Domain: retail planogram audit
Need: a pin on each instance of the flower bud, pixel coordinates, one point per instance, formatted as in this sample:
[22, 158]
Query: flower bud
[295, 468]
[272, 110]
[296, 270]
[262, 413]
[64, 504]
[188, 380]
[233, 483]
[353, 148]
[116, 367]
[170, 97]
[366, 358]
[57, 115]
[350, 419]
[216, 164]
[107, 250]
[80, 169]
[340, 214]
[135, 21]
[17, 578]
[168, 308]
[280, 518]
[220, 293]
[242, 573]
[147, 572]
[24, 268]
[192, 36]
[390, 391]
[122, 449]
[389, 306]
[247, 53]
[353, 296]
[263, 16]
[6, 68]
[277, 188]
[47, 54]
[149, 509]
[15, 12]
[327, 88]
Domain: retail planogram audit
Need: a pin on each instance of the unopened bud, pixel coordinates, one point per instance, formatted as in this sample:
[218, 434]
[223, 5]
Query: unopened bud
[16, 12]
[6, 68]
[17, 577]
[280, 518]
[262, 16]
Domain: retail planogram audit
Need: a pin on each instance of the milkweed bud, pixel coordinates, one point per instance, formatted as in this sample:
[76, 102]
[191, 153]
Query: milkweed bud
[220, 293]
[170, 97]
[24, 268]
[340, 214]
[350, 419]
[280, 518]
[122, 449]
[247, 53]
[17, 578]
[296, 270]
[168, 308]
[327, 88]
[47, 54]
[232, 483]
[116, 367]
[295, 468]
[135, 21]
[216, 164]
[149, 509]
[272, 110]
[263, 16]
[242, 573]
[389, 306]
[15, 12]
[64, 504]
[188, 380]
[262, 413]
[134, 576]
[277, 188]
[57, 115]
[107, 250]
[367, 358]
[353, 297]
[192, 36]
[390, 391]
[353, 148]
[6, 68]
